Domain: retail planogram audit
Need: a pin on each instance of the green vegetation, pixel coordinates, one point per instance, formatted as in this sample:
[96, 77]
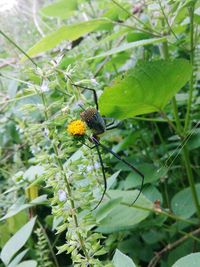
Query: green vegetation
[143, 60]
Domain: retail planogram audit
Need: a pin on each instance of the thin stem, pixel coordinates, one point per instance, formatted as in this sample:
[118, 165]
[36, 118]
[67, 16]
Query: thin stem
[165, 51]
[49, 243]
[191, 179]
[185, 150]
[164, 115]
[66, 182]
[167, 21]
[161, 212]
[21, 50]
[177, 119]
[170, 246]
[135, 18]
[35, 18]
[191, 84]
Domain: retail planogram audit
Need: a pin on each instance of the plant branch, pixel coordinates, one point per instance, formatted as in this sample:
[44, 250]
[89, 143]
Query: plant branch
[21, 50]
[49, 243]
[185, 150]
[170, 246]
[191, 84]
[66, 182]
[167, 21]
[135, 18]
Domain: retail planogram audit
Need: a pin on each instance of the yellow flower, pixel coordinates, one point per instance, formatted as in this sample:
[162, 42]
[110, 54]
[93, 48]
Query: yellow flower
[76, 127]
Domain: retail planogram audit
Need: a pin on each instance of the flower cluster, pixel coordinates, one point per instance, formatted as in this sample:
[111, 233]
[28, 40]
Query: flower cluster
[77, 127]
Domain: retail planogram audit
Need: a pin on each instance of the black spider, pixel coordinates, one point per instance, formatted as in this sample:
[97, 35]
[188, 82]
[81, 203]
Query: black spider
[99, 125]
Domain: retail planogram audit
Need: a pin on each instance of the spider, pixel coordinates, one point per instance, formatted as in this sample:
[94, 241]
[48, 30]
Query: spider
[98, 125]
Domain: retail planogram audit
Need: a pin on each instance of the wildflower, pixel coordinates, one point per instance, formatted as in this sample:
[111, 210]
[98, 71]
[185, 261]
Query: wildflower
[62, 196]
[89, 168]
[76, 127]
[44, 87]
[96, 165]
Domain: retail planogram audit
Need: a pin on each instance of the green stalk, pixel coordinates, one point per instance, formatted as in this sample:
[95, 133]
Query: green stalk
[49, 243]
[187, 118]
[66, 182]
[21, 50]
[191, 178]
[55, 149]
[185, 150]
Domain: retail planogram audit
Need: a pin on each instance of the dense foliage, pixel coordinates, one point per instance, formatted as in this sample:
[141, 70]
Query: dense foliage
[142, 58]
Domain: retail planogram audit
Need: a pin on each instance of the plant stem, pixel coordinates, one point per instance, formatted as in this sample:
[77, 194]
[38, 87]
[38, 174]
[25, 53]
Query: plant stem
[135, 18]
[187, 118]
[185, 150]
[191, 179]
[66, 182]
[165, 51]
[12, 42]
[170, 246]
[49, 243]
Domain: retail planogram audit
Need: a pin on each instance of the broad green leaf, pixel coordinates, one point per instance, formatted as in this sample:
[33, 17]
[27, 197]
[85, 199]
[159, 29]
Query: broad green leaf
[152, 193]
[182, 203]
[136, 36]
[33, 172]
[4, 234]
[121, 259]
[17, 241]
[16, 209]
[194, 142]
[146, 88]
[151, 174]
[62, 9]
[191, 260]
[111, 180]
[129, 46]
[105, 209]
[18, 258]
[11, 213]
[67, 32]
[179, 252]
[123, 216]
[29, 263]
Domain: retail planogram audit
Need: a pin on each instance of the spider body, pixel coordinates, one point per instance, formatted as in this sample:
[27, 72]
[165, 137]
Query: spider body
[94, 121]
[98, 125]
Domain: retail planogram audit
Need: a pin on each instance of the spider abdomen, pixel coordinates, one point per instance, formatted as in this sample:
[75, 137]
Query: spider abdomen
[93, 120]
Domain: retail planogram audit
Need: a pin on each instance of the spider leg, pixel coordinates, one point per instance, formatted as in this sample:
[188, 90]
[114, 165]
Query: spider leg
[124, 161]
[110, 123]
[102, 168]
[112, 127]
[90, 147]
[93, 91]
[104, 176]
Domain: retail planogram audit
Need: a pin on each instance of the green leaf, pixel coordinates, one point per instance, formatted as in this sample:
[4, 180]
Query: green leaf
[182, 203]
[69, 32]
[29, 263]
[33, 172]
[17, 241]
[151, 174]
[63, 9]
[122, 216]
[146, 88]
[13, 212]
[111, 180]
[16, 209]
[18, 258]
[191, 260]
[121, 259]
[106, 208]
[129, 46]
